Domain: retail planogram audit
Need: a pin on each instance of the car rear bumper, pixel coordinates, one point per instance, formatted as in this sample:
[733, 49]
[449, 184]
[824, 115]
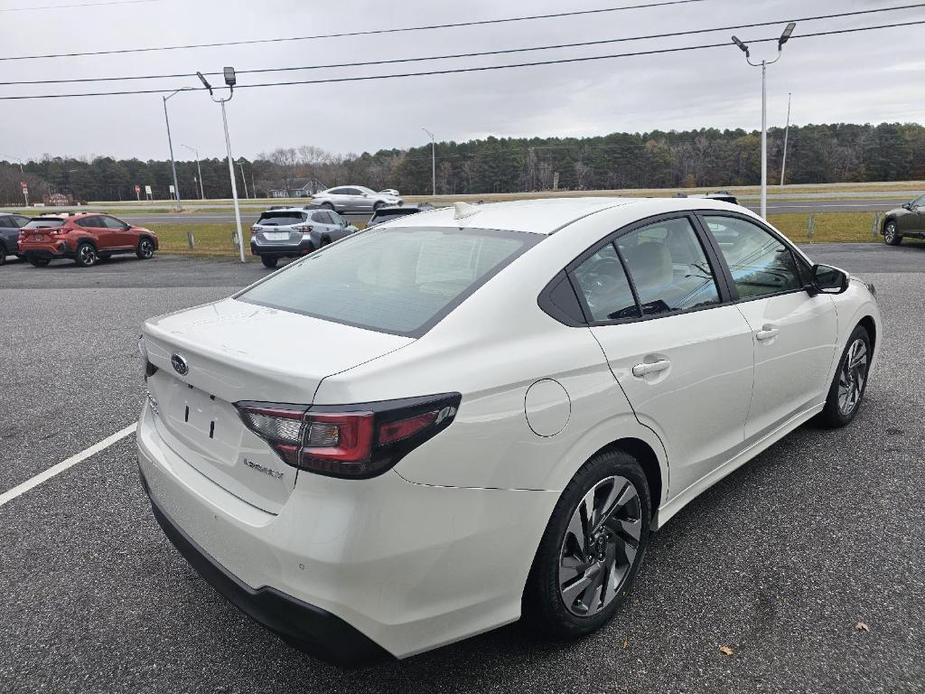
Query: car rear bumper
[410, 567]
[47, 249]
[283, 250]
[301, 625]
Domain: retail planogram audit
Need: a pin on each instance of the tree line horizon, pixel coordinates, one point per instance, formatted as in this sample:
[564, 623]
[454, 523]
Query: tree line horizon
[702, 158]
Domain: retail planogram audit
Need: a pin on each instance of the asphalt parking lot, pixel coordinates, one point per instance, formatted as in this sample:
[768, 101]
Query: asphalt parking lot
[780, 561]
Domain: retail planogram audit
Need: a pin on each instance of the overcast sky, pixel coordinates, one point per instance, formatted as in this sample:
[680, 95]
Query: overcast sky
[869, 77]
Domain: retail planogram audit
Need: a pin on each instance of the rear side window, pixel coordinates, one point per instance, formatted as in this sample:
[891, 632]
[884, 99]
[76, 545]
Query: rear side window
[668, 267]
[44, 224]
[89, 222]
[400, 281]
[604, 286]
[760, 264]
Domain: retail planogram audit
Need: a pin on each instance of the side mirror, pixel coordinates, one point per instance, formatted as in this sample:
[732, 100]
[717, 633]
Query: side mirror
[908, 205]
[829, 280]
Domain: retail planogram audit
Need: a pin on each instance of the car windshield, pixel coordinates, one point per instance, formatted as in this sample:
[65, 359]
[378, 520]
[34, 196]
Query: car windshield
[44, 224]
[279, 218]
[401, 281]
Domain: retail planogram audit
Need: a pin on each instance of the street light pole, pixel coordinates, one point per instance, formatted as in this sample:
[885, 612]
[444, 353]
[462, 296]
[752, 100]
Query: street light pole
[202, 191]
[230, 81]
[783, 164]
[173, 165]
[784, 37]
[433, 162]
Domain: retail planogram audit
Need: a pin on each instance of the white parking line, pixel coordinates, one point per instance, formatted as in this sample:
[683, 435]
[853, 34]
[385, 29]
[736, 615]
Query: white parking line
[20, 489]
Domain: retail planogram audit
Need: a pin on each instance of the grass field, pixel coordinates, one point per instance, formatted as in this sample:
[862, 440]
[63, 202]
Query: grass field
[829, 227]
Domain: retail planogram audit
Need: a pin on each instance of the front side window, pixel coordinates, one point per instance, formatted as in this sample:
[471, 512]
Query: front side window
[760, 264]
[668, 267]
[400, 281]
[113, 223]
[604, 286]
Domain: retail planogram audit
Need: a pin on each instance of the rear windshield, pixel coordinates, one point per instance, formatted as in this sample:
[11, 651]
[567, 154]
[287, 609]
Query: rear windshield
[280, 218]
[44, 223]
[399, 280]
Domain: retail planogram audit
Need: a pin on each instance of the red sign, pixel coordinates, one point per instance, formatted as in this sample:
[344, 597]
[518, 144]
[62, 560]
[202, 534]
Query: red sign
[137, 190]
[24, 185]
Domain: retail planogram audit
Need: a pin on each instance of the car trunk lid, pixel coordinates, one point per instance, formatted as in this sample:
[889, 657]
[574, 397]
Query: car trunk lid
[210, 357]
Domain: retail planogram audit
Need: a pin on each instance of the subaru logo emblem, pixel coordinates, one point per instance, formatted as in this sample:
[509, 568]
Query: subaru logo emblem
[179, 364]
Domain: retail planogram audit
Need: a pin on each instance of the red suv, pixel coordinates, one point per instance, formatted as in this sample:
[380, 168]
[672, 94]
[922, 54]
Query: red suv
[87, 237]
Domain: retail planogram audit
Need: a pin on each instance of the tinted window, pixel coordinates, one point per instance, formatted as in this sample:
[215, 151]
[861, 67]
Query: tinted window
[668, 267]
[6, 222]
[919, 202]
[759, 263]
[113, 223]
[604, 286]
[280, 218]
[19, 221]
[89, 222]
[322, 217]
[48, 223]
[337, 191]
[338, 219]
[398, 281]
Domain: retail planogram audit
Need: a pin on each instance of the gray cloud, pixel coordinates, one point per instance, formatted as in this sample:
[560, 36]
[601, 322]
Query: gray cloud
[868, 77]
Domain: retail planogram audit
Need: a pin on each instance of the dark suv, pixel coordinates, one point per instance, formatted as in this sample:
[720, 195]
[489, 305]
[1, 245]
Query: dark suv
[10, 224]
[908, 220]
[85, 237]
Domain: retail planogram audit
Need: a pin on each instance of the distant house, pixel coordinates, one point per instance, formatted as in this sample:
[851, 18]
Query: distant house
[299, 188]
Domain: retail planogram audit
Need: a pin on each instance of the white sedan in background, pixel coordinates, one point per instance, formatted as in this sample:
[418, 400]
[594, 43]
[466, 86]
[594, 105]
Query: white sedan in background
[355, 199]
[475, 414]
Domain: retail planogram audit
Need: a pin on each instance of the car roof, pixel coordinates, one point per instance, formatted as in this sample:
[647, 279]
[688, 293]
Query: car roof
[549, 215]
[290, 209]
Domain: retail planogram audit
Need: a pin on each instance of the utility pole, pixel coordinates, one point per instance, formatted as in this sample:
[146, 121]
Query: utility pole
[230, 81]
[243, 178]
[783, 164]
[202, 192]
[173, 165]
[784, 37]
[433, 163]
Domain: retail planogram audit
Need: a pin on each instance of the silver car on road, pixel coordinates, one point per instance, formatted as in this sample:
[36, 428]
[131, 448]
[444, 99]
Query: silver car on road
[355, 199]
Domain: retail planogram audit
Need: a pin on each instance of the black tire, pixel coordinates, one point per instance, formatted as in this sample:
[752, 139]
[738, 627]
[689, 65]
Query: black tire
[85, 255]
[145, 250]
[544, 606]
[377, 205]
[328, 205]
[268, 261]
[2, 254]
[839, 410]
[891, 235]
[37, 262]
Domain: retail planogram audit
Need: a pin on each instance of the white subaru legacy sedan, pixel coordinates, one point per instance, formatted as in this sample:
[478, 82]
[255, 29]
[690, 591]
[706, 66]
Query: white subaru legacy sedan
[481, 413]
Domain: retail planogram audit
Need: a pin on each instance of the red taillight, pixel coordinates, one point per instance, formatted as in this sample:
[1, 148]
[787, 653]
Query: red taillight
[351, 441]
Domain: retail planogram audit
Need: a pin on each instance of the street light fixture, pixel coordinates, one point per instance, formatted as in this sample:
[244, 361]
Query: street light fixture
[173, 165]
[784, 38]
[230, 81]
[202, 192]
[433, 162]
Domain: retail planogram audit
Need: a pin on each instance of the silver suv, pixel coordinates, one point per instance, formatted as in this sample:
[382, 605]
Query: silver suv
[296, 231]
[355, 199]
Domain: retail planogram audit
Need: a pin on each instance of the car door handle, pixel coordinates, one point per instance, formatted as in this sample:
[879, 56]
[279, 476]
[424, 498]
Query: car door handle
[647, 368]
[766, 333]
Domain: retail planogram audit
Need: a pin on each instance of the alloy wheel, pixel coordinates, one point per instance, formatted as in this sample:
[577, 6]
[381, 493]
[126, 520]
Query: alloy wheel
[889, 234]
[87, 255]
[853, 377]
[600, 546]
[147, 249]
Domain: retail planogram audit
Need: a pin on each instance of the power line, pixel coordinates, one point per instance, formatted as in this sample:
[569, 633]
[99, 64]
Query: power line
[506, 51]
[367, 32]
[73, 6]
[484, 68]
